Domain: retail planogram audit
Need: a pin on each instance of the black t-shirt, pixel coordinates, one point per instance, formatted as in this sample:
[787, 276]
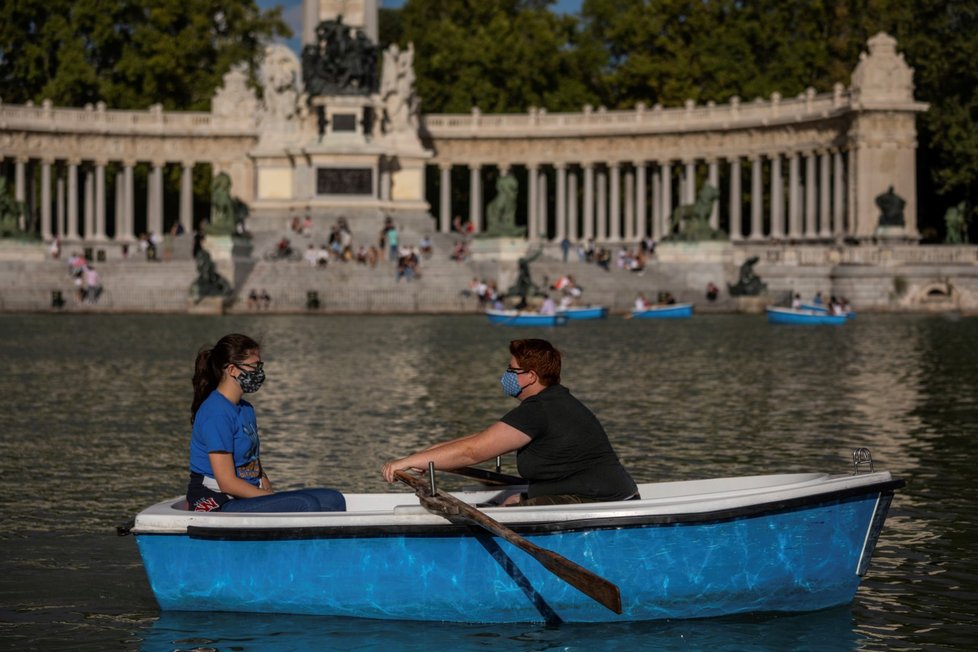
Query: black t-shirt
[569, 452]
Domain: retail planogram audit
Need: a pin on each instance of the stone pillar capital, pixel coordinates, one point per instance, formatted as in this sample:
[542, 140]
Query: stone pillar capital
[444, 165]
[560, 165]
[73, 161]
[188, 164]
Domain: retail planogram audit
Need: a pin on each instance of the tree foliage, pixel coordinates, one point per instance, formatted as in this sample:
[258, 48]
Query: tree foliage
[130, 53]
[508, 55]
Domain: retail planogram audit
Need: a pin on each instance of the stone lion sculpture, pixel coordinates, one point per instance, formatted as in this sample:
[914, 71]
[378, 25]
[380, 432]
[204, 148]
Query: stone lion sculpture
[10, 211]
[956, 224]
[749, 284]
[280, 72]
[222, 206]
[501, 211]
[691, 222]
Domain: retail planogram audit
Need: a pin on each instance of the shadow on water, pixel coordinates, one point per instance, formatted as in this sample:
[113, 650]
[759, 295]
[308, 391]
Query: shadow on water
[825, 630]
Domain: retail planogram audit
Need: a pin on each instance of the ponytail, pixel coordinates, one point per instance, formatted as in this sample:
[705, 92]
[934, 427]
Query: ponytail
[210, 363]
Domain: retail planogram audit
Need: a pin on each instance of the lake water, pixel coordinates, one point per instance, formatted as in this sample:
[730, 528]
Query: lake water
[95, 424]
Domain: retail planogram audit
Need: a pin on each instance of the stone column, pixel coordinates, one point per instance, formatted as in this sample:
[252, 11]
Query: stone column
[736, 228]
[120, 202]
[20, 179]
[689, 189]
[532, 202]
[614, 204]
[666, 198]
[543, 214]
[72, 231]
[824, 187]
[777, 198]
[445, 207]
[811, 189]
[588, 231]
[475, 197]
[794, 203]
[629, 200]
[46, 231]
[601, 231]
[573, 228]
[59, 197]
[89, 227]
[714, 177]
[187, 196]
[756, 198]
[129, 204]
[561, 207]
[838, 196]
[656, 204]
[100, 200]
[156, 197]
[641, 216]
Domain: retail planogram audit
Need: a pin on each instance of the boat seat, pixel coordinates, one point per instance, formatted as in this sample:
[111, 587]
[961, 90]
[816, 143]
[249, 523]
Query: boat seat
[182, 505]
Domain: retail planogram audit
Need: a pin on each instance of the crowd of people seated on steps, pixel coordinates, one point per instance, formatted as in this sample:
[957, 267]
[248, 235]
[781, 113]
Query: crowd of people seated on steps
[341, 248]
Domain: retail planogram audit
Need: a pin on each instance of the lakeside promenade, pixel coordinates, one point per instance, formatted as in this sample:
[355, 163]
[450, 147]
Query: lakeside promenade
[890, 278]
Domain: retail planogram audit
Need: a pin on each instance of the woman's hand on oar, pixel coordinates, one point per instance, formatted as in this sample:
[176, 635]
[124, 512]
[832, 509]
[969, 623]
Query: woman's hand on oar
[447, 505]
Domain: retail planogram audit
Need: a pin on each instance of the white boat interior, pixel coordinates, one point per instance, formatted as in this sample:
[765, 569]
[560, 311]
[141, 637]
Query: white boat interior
[661, 499]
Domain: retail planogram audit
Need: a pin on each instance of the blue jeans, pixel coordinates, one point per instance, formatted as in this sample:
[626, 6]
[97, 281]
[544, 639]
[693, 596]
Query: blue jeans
[299, 500]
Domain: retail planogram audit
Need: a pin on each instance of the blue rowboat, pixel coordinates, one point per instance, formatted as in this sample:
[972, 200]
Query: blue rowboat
[520, 318]
[821, 307]
[802, 317]
[701, 548]
[584, 312]
[671, 311]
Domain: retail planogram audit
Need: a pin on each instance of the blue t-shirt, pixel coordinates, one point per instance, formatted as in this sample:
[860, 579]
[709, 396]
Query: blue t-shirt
[223, 427]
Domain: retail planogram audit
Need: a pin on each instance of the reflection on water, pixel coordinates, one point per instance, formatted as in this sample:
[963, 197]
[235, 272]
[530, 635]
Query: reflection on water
[825, 630]
[96, 425]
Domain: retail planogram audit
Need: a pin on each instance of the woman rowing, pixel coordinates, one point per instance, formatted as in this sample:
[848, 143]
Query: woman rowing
[561, 448]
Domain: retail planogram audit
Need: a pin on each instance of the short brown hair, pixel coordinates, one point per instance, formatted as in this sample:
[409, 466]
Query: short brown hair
[538, 356]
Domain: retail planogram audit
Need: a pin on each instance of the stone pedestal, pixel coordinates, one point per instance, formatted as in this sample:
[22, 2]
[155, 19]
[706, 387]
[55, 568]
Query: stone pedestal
[224, 250]
[206, 306]
[893, 235]
[498, 249]
[710, 251]
[752, 305]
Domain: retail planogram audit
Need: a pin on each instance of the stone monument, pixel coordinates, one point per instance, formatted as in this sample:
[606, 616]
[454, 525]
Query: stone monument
[334, 137]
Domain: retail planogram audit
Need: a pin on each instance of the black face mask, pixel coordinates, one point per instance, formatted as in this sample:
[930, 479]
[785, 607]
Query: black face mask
[250, 381]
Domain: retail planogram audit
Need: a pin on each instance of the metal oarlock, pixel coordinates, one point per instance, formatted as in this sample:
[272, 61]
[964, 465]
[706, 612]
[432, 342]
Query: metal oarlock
[431, 477]
[499, 463]
[860, 457]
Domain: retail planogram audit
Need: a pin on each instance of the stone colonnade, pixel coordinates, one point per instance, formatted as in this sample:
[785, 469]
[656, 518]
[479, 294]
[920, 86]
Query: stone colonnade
[800, 196]
[74, 202]
[75, 169]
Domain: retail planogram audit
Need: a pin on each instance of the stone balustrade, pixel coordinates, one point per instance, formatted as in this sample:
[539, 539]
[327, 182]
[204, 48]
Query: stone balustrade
[736, 114]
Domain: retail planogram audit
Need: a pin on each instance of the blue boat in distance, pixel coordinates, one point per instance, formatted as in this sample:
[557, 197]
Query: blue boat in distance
[584, 312]
[798, 316]
[668, 311]
[521, 318]
[688, 549]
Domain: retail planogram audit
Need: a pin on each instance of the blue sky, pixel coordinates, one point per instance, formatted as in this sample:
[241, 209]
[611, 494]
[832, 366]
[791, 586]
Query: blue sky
[293, 12]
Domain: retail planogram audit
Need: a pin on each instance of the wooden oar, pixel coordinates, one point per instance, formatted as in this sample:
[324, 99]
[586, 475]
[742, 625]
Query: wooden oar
[487, 477]
[593, 586]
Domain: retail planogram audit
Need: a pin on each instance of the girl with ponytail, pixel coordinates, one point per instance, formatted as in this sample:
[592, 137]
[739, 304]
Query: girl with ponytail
[225, 465]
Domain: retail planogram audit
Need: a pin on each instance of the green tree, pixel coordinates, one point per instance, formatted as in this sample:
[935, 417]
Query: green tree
[498, 55]
[130, 53]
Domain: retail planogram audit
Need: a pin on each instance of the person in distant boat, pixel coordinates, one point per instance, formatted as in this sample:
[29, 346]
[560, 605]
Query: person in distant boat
[226, 473]
[548, 307]
[817, 299]
[641, 303]
[561, 448]
[796, 301]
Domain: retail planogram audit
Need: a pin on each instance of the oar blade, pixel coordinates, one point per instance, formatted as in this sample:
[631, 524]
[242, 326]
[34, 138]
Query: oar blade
[590, 584]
